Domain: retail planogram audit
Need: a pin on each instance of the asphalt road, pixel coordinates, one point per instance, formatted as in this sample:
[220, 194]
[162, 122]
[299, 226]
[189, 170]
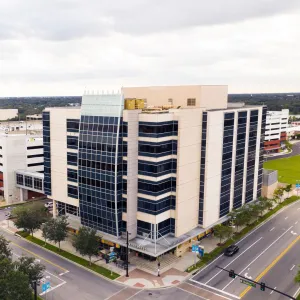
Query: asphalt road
[296, 151]
[257, 252]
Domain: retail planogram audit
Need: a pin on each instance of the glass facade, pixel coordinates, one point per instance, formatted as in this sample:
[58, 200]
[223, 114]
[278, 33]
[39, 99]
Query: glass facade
[252, 141]
[226, 163]
[47, 153]
[100, 171]
[240, 159]
[156, 169]
[163, 228]
[72, 125]
[202, 167]
[20, 179]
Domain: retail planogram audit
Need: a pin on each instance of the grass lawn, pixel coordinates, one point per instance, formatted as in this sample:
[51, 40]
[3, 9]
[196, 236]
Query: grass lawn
[98, 269]
[288, 168]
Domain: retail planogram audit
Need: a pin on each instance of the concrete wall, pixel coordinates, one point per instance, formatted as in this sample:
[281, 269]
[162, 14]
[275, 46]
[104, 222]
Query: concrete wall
[58, 138]
[213, 167]
[206, 96]
[132, 118]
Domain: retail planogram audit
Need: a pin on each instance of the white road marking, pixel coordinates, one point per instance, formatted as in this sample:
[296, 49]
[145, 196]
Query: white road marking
[191, 293]
[247, 276]
[258, 256]
[17, 255]
[272, 229]
[209, 291]
[53, 288]
[262, 224]
[61, 274]
[296, 222]
[210, 287]
[136, 294]
[292, 267]
[273, 291]
[285, 218]
[54, 276]
[116, 293]
[233, 260]
[296, 294]
[293, 233]
[298, 208]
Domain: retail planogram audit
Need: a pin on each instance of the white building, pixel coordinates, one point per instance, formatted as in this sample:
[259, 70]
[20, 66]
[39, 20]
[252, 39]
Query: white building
[166, 164]
[276, 130]
[6, 114]
[18, 152]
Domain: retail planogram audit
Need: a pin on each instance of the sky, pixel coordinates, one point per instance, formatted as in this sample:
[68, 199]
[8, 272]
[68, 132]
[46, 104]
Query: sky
[66, 47]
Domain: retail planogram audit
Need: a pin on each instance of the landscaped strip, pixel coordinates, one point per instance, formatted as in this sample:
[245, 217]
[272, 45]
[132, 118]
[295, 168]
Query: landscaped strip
[208, 257]
[79, 260]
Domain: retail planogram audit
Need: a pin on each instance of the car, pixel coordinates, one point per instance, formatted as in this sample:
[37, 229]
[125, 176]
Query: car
[231, 250]
[49, 204]
[8, 215]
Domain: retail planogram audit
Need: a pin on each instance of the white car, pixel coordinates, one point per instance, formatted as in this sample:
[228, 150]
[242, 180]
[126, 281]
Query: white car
[49, 204]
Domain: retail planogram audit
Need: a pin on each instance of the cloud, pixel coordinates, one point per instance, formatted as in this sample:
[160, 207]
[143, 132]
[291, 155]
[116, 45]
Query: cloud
[63, 47]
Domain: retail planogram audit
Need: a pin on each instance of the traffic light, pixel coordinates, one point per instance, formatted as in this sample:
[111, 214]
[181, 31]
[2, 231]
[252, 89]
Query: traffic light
[231, 274]
[262, 286]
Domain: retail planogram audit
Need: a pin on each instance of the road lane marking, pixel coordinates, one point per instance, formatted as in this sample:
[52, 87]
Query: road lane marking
[271, 265]
[134, 294]
[215, 289]
[233, 261]
[52, 288]
[61, 274]
[36, 255]
[296, 294]
[116, 293]
[273, 291]
[292, 267]
[285, 218]
[262, 224]
[272, 229]
[197, 287]
[296, 222]
[186, 291]
[257, 257]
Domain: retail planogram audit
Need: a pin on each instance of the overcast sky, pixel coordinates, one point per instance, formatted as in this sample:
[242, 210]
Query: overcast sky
[63, 47]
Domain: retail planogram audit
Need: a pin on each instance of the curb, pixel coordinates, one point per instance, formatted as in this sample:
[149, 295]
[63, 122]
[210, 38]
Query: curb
[194, 272]
[87, 269]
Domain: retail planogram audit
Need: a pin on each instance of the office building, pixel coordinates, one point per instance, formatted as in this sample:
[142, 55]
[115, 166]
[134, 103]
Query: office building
[276, 130]
[165, 164]
[20, 152]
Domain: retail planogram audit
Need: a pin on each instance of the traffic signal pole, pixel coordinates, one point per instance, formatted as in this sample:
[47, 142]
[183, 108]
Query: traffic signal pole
[262, 285]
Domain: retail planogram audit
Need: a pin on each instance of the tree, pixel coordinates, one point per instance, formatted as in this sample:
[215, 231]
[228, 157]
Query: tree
[246, 215]
[221, 231]
[278, 193]
[288, 189]
[30, 217]
[86, 242]
[32, 269]
[46, 230]
[255, 210]
[237, 218]
[58, 230]
[5, 251]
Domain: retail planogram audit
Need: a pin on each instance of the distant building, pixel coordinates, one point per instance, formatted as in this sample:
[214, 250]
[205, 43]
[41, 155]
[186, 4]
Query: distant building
[6, 114]
[20, 152]
[163, 163]
[276, 130]
[34, 117]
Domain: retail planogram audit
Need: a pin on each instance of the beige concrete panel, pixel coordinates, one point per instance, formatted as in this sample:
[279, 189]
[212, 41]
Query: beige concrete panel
[186, 215]
[188, 155]
[187, 191]
[188, 172]
[214, 96]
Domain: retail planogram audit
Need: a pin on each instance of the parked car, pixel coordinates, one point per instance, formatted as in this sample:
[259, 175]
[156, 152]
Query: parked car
[231, 250]
[8, 215]
[49, 204]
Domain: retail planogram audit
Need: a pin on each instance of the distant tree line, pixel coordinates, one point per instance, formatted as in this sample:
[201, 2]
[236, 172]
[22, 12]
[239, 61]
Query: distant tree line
[35, 105]
[276, 101]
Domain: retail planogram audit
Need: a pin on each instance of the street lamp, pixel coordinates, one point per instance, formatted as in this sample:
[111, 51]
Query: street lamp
[127, 253]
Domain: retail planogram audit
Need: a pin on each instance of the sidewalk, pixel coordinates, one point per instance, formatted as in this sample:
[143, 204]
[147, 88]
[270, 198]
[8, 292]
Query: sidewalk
[137, 278]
